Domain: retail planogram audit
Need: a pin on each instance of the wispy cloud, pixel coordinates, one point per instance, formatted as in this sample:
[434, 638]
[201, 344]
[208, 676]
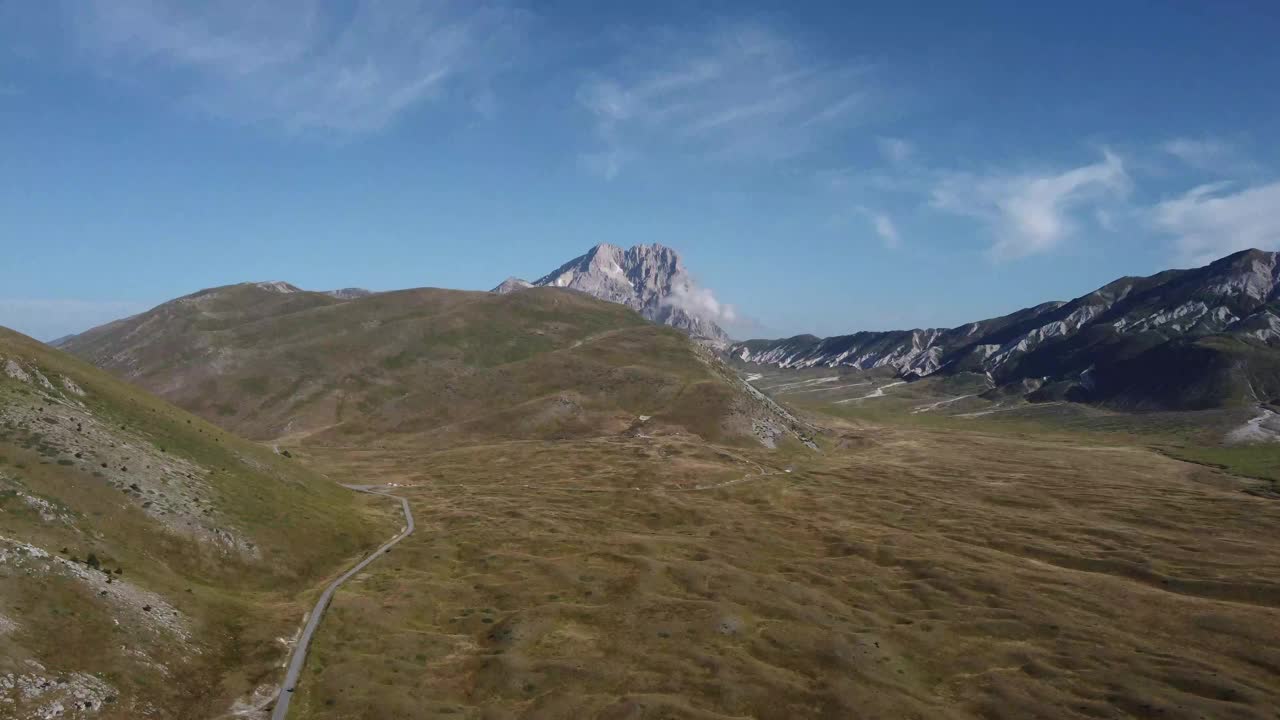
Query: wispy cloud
[306, 65]
[1209, 154]
[886, 229]
[1031, 213]
[741, 91]
[1212, 220]
[895, 150]
[49, 319]
[606, 163]
[702, 303]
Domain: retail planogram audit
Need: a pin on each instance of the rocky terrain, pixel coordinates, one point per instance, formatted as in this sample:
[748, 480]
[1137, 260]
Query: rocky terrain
[146, 556]
[650, 279]
[620, 524]
[1180, 339]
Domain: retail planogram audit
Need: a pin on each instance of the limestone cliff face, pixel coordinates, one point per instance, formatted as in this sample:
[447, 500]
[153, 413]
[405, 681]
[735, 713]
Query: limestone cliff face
[1177, 339]
[650, 279]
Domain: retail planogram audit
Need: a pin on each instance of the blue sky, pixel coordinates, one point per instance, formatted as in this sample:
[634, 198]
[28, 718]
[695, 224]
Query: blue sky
[821, 167]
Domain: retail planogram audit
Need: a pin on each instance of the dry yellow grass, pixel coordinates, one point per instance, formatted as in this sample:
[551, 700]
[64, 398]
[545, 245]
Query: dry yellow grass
[901, 573]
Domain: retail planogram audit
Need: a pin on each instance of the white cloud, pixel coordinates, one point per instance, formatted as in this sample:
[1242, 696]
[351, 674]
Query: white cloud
[1210, 154]
[305, 65]
[886, 229]
[881, 223]
[700, 302]
[1209, 222]
[895, 150]
[50, 319]
[740, 91]
[1031, 213]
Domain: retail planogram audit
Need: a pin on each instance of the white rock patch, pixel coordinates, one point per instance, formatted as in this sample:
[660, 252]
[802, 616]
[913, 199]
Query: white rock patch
[72, 387]
[145, 608]
[38, 694]
[15, 371]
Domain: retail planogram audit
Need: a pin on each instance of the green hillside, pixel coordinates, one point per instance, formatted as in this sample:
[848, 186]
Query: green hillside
[149, 560]
[445, 364]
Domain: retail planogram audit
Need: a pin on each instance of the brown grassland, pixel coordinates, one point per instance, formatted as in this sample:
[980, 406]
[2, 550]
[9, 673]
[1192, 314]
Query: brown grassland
[902, 572]
[601, 534]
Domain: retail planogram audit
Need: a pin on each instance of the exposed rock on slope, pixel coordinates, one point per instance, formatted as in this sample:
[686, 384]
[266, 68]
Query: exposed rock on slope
[137, 543]
[1181, 338]
[348, 293]
[512, 284]
[650, 279]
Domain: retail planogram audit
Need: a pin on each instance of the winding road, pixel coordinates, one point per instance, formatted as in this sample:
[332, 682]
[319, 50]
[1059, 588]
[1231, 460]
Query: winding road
[299, 657]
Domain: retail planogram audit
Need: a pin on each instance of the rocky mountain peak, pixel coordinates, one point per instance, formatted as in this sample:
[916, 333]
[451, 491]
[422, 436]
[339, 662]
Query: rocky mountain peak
[511, 285]
[1255, 274]
[650, 279]
[278, 286]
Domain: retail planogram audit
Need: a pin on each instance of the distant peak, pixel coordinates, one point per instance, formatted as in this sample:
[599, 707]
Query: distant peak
[649, 279]
[1250, 255]
[511, 285]
[605, 249]
[350, 293]
[278, 286]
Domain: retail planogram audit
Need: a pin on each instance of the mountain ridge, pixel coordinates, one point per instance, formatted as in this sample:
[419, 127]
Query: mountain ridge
[270, 361]
[1087, 344]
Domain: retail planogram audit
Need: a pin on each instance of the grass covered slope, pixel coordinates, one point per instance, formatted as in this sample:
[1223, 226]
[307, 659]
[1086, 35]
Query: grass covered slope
[445, 364]
[1241, 439]
[903, 572]
[148, 559]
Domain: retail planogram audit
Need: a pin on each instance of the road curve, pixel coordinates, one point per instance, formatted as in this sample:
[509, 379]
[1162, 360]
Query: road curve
[299, 657]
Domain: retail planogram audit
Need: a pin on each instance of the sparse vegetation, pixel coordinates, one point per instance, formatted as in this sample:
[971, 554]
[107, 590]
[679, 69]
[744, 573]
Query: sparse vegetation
[294, 528]
[906, 559]
[545, 363]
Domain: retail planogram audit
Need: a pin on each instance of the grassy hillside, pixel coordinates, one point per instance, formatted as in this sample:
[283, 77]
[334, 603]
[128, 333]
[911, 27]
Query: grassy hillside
[446, 365]
[149, 560]
[968, 402]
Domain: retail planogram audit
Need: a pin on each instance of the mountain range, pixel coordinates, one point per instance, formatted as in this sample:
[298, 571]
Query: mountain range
[1179, 339]
[650, 279]
[162, 557]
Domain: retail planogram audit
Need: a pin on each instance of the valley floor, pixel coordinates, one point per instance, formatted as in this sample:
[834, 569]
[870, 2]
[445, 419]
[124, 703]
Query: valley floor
[903, 572]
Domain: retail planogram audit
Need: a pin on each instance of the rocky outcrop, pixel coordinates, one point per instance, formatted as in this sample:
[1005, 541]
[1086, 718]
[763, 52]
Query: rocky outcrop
[1190, 338]
[650, 279]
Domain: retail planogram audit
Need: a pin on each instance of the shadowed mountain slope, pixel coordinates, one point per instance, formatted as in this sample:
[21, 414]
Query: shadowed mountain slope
[1180, 339]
